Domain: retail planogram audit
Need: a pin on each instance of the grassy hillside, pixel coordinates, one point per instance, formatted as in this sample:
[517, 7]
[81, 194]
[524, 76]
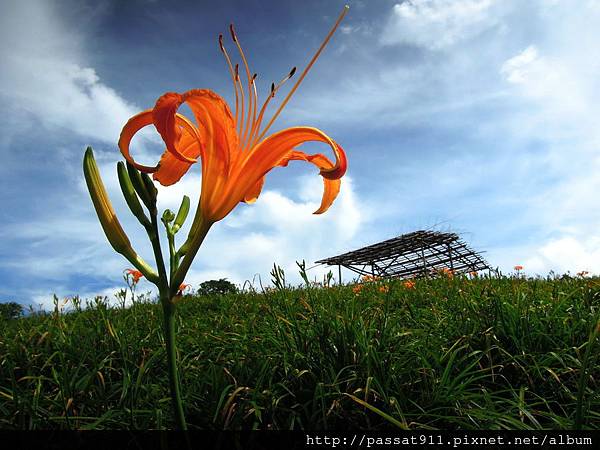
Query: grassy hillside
[449, 353]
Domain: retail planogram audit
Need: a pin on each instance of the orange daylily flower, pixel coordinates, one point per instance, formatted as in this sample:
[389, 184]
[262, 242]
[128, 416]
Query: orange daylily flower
[384, 289]
[409, 284]
[357, 289]
[518, 268]
[370, 278]
[447, 272]
[183, 287]
[235, 154]
[135, 275]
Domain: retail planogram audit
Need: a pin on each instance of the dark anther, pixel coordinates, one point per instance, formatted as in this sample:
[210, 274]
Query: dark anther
[237, 71]
[233, 36]
[254, 77]
[272, 89]
[292, 72]
[221, 43]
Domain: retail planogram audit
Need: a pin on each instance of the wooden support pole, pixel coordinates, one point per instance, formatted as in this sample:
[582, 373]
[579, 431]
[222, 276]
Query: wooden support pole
[423, 259]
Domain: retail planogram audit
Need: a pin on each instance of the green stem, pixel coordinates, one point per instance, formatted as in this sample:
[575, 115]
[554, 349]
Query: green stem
[188, 250]
[169, 324]
[173, 260]
[160, 263]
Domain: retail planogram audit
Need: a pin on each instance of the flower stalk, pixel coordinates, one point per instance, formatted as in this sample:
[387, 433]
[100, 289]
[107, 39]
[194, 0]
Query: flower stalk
[135, 186]
[168, 306]
[171, 349]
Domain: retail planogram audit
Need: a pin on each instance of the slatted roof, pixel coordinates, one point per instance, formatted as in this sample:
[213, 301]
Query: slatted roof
[414, 254]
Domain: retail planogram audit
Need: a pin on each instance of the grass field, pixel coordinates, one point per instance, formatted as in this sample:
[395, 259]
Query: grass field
[448, 353]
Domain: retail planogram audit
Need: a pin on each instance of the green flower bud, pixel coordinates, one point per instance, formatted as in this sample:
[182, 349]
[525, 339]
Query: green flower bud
[130, 195]
[184, 209]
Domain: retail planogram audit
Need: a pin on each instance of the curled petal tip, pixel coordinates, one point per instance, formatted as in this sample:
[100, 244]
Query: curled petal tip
[322, 209]
[338, 171]
[169, 124]
[334, 174]
[132, 126]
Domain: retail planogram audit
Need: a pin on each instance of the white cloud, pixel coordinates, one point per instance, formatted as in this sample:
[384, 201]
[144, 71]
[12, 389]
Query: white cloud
[554, 82]
[548, 91]
[45, 75]
[346, 29]
[112, 296]
[438, 24]
[556, 95]
[517, 69]
[277, 229]
[566, 254]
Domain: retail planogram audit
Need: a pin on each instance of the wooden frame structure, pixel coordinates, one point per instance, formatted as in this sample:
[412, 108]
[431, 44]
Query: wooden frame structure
[417, 254]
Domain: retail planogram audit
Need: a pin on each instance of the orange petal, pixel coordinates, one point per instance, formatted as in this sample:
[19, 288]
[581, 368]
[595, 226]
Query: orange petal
[274, 148]
[139, 121]
[133, 125]
[218, 134]
[217, 128]
[338, 170]
[168, 123]
[253, 193]
[171, 168]
[277, 150]
[331, 188]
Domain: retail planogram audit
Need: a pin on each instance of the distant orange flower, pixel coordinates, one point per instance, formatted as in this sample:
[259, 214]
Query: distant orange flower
[448, 272]
[518, 268]
[369, 278]
[135, 275]
[234, 147]
[384, 289]
[473, 274]
[183, 287]
[583, 273]
[409, 284]
[356, 289]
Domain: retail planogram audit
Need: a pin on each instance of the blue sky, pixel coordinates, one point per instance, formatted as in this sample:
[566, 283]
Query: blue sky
[476, 116]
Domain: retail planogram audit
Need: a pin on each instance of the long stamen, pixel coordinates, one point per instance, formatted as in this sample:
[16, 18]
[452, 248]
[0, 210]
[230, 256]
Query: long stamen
[239, 84]
[274, 89]
[230, 66]
[253, 111]
[249, 77]
[304, 72]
